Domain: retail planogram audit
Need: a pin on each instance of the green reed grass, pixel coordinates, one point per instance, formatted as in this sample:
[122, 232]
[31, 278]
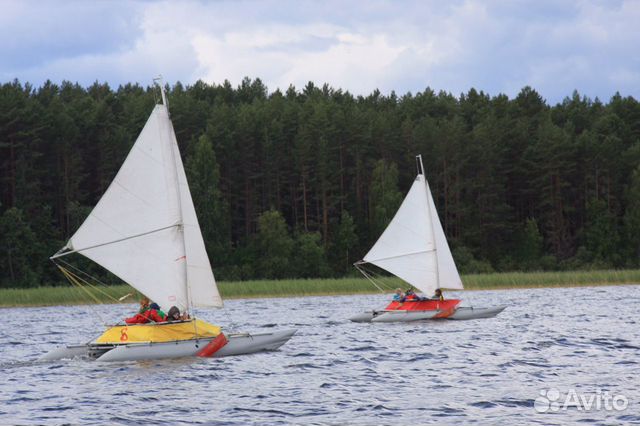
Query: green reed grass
[52, 296]
[508, 280]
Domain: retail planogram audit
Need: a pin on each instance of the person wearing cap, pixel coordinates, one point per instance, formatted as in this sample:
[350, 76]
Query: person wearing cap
[155, 314]
[148, 312]
[411, 296]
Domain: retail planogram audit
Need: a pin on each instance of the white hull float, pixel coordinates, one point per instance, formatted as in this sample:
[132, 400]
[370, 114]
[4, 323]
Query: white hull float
[404, 316]
[236, 344]
[466, 313]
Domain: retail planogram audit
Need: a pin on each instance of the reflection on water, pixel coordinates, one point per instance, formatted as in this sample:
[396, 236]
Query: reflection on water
[333, 371]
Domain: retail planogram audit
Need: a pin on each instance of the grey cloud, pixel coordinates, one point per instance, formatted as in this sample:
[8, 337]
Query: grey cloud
[495, 46]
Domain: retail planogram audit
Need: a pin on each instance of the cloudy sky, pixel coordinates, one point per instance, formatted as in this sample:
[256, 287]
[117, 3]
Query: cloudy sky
[555, 46]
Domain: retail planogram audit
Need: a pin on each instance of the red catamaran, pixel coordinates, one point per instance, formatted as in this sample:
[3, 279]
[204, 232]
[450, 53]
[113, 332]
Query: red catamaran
[414, 248]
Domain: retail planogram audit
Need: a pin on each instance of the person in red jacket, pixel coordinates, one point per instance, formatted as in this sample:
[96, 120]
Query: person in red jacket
[148, 313]
[410, 295]
[155, 314]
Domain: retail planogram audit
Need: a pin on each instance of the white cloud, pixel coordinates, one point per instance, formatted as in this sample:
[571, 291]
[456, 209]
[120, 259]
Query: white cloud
[358, 46]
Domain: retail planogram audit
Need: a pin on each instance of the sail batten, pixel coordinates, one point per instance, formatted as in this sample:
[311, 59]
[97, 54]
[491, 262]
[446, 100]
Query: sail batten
[398, 255]
[77, 250]
[150, 191]
[413, 246]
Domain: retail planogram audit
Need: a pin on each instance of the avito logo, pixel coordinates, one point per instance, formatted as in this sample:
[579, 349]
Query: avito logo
[552, 400]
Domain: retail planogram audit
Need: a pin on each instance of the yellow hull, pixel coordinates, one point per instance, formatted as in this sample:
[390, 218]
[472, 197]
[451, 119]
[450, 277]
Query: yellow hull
[158, 332]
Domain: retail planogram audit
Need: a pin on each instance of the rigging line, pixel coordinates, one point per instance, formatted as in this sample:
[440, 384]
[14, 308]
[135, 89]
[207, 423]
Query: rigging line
[374, 280]
[73, 281]
[367, 276]
[80, 271]
[360, 266]
[78, 282]
[76, 289]
[93, 286]
[381, 279]
[57, 255]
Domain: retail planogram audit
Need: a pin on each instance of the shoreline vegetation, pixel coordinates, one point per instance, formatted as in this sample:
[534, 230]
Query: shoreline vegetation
[67, 295]
[301, 182]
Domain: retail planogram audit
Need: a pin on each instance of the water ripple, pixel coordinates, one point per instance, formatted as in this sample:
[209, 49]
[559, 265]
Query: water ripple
[336, 372]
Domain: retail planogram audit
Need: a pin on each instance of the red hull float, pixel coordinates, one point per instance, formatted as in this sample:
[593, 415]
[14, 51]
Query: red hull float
[445, 307]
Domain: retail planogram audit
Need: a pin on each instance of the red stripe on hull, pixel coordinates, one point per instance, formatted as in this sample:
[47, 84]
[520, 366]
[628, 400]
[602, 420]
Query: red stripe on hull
[447, 307]
[213, 346]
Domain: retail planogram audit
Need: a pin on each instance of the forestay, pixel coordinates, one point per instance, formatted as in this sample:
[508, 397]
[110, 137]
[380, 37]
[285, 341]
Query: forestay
[144, 229]
[414, 247]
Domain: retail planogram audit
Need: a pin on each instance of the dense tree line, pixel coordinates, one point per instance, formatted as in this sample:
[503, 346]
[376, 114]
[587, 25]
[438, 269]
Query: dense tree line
[301, 183]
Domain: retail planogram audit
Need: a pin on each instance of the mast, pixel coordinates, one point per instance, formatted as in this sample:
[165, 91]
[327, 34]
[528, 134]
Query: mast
[158, 80]
[420, 167]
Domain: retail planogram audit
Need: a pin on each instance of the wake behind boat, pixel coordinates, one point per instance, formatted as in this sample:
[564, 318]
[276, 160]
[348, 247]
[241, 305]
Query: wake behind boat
[145, 230]
[414, 248]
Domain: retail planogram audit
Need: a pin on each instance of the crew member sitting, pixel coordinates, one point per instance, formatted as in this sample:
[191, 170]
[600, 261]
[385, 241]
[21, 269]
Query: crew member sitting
[438, 295]
[399, 296]
[174, 314]
[156, 314]
[148, 312]
[144, 305]
[411, 296]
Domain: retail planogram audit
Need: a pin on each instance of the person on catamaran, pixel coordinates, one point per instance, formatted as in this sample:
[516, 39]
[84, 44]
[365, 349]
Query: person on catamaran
[144, 305]
[438, 295]
[412, 296]
[399, 296]
[156, 314]
[174, 314]
[148, 313]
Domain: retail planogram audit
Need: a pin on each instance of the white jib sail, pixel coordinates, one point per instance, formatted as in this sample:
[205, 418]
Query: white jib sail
[413, 246]
[144, 228]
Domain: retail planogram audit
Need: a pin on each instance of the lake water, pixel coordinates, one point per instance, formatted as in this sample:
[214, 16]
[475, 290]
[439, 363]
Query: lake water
[582, 342]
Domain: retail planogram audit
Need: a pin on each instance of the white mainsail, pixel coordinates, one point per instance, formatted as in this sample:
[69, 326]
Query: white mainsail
[414, 247]
[144, 229]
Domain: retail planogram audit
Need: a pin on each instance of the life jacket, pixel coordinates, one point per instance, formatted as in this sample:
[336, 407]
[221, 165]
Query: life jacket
[411, 297]
[155, 315]
[148, 316]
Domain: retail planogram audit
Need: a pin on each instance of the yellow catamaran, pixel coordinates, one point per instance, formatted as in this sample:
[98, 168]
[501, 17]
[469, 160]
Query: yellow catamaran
[145, 230]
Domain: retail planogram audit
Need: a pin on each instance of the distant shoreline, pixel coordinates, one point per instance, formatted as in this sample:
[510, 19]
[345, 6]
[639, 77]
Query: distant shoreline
[67, 295]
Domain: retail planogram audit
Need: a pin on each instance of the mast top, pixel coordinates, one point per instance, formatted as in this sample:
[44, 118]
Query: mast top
[158, 80]
[419, 165]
